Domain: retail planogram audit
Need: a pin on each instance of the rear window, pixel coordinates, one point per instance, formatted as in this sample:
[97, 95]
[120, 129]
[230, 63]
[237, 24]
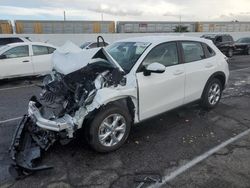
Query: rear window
[42, 50]
[193, 51]
[209, 51]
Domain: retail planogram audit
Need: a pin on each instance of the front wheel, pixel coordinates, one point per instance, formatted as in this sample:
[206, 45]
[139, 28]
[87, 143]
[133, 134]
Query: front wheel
[211, 94]
[109, 129]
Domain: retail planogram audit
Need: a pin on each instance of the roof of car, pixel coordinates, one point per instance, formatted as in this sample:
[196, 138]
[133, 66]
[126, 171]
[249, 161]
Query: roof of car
[160, 39]
[28, 43]
[215, 35]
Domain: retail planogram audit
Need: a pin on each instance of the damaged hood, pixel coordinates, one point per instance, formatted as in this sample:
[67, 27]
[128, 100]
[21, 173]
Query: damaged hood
[69, 58]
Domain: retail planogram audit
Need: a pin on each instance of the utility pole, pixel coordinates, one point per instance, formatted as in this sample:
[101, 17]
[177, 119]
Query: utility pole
[180, 25]
[102, 16]
[64, 15]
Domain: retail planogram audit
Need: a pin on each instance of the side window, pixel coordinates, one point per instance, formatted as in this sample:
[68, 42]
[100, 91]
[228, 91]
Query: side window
[193, 51]
[51, 50]
[20, 51]
[93, 45]
[218, 39]
[231, 39]
[166, 54]
[209, 51]
[224, 38]
[40, 50]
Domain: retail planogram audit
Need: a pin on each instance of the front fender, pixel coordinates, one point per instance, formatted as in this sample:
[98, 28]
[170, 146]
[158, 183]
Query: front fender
[107, 95]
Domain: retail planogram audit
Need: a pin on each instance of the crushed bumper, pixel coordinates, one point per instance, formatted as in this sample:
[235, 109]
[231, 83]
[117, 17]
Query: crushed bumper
[27, 145]
[63, 123]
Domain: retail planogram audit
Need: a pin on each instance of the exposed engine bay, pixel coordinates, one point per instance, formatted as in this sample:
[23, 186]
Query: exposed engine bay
[67, 93]
[64, 102]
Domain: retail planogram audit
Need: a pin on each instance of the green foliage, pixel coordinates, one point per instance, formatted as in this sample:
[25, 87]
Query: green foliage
[181, 29]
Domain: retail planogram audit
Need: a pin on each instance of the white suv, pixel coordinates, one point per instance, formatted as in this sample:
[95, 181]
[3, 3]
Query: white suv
[105, 91]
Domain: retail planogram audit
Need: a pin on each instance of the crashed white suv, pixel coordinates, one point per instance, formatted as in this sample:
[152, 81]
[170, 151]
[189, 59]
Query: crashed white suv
[105, 91]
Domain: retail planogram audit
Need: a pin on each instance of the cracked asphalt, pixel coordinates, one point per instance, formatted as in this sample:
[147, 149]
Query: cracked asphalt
[155, 147]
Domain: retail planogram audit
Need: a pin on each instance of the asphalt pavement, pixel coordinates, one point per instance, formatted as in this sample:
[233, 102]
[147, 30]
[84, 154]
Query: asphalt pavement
[156, 149]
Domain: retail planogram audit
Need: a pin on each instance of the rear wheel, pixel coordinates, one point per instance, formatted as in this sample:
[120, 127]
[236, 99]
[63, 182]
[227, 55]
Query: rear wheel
[109, 129]
[211, 94]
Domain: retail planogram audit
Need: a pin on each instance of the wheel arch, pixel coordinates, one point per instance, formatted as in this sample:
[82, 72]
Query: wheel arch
[123, 101]
[220, 76]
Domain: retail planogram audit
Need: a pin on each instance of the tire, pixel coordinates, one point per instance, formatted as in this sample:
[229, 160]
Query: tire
[230, 52]
[211, 96]
[103, 125]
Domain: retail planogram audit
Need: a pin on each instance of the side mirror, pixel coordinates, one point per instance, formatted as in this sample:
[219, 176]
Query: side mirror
[154, 68]
[3, 57]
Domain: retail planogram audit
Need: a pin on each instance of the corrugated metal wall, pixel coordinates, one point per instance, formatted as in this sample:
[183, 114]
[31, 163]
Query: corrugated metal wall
[223, 26]
[61, 27]
[79, 27]
[5, 27]
[152, 27]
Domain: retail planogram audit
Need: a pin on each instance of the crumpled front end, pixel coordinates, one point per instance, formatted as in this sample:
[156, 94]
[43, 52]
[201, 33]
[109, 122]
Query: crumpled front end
[64, 103]
[28, 143]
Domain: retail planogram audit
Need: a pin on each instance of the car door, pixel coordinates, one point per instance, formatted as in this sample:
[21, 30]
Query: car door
[198, 66]
[41, 58]
[160, 92]
[16, 62]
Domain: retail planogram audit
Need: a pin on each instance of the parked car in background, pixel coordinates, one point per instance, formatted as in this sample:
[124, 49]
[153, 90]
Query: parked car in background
[25, 59]
[242, 46]
[9, 40]
[224, 42]
[89, 45]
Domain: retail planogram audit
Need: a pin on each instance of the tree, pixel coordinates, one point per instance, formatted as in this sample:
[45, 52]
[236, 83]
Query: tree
[181, 29]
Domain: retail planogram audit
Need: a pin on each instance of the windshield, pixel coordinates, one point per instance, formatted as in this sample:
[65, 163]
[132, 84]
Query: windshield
[127, 53]
[243, 40]
[84, 45]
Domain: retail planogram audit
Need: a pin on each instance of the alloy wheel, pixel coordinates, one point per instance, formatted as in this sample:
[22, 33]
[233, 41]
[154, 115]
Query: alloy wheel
[214, 94]
[112, 130]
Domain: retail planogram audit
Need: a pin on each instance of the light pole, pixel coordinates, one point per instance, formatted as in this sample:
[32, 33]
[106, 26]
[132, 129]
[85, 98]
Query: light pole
[64, 15]
[180, 25]
[176, 16]
[102, 16]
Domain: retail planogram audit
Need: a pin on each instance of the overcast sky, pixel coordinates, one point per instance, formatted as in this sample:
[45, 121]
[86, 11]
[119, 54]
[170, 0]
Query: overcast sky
[131, 10]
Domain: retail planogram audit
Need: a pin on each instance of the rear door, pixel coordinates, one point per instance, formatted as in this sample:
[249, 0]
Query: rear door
[160, 92]
[41, 58]
[199, 64]
[16, 62]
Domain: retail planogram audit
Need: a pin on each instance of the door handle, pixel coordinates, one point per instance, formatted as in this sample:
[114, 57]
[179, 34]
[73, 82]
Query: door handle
[178, 72]
[209, 65]
[26, 61]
